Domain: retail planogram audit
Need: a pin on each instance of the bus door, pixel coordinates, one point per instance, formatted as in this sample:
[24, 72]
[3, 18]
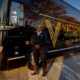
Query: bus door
[12, 48]
[3, 49]
[16, 47]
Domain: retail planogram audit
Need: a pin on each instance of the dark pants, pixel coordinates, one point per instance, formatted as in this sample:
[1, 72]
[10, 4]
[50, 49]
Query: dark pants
[43, 60]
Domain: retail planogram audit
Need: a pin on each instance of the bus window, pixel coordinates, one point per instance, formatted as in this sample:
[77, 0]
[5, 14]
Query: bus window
[2, 9]
[61, 34]
[18, 8]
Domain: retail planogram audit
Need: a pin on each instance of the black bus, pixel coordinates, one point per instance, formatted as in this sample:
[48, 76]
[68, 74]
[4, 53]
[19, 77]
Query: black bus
[18, 20]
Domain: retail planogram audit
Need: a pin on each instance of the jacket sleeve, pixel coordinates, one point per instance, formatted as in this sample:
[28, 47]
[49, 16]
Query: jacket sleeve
[44, 42]
[32, 40]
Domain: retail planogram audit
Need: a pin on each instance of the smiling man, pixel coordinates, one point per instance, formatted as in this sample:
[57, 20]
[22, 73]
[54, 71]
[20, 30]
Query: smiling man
[39, 43]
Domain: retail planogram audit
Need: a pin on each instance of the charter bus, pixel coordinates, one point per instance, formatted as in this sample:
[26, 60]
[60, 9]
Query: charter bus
[18, 21]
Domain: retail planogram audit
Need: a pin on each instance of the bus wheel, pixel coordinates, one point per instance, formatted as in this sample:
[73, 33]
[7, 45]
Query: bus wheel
[32, 62]
[32, 59]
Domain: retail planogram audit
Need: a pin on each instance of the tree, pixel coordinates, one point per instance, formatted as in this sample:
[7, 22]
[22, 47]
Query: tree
[20, 8]
[71, 19]
[49, 7]
[32, 8]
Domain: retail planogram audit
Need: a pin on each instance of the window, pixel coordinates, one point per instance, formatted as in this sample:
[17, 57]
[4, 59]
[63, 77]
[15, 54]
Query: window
[18, 9]
[2, 10]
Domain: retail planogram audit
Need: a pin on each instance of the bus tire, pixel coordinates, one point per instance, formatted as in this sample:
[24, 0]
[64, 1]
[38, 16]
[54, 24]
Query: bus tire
[32, 62]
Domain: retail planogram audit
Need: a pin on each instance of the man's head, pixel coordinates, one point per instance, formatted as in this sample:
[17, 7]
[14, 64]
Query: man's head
[39, 28]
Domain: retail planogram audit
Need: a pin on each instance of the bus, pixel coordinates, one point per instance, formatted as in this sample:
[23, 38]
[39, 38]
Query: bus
[18, 21]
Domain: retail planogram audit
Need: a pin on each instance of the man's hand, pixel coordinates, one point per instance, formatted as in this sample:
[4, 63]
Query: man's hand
[37, 47]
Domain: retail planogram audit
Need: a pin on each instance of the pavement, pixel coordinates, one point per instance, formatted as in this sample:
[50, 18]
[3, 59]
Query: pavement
[66, 67]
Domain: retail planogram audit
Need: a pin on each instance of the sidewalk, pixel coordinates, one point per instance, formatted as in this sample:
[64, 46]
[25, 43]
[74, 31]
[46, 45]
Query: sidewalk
[59, 68]
[23, 73]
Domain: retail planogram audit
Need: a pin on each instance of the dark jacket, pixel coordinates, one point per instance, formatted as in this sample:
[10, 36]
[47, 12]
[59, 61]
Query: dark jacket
[40, 40]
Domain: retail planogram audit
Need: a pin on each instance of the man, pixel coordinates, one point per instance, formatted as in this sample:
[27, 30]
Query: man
[39, 43]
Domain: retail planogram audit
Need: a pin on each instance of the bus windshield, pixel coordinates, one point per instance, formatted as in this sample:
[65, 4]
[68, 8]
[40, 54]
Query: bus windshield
[2, 10]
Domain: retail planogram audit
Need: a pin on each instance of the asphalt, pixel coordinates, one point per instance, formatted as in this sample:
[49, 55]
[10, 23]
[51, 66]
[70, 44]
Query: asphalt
[66, 67]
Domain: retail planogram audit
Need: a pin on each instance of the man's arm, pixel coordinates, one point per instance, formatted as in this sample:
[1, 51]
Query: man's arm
[32, 40]
[44, 42]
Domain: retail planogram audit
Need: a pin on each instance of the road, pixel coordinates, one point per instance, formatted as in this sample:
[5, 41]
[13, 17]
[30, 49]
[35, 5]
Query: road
[65, 67]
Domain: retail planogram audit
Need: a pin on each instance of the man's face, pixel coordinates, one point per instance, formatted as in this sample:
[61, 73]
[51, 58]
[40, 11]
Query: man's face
[39, 28]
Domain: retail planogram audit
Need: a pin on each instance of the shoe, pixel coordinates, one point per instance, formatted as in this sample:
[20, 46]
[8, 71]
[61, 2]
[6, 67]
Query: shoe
[34, 73]
[44, 75]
